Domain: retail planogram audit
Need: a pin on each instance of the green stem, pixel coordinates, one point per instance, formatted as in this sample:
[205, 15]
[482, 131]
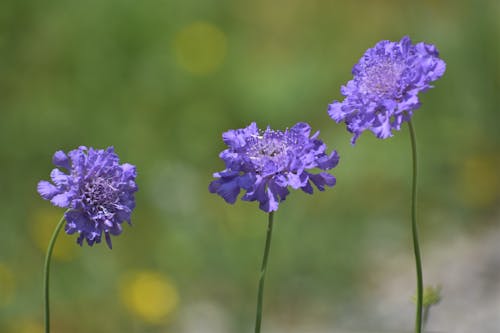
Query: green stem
[46, 271]
[414, 229]
[260, 294]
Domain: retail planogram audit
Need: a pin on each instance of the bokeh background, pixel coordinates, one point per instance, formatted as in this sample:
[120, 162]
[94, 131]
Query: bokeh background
[161, 80]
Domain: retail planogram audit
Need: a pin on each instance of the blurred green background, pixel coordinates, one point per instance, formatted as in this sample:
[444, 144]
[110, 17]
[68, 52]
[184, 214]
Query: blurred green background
[161, 80]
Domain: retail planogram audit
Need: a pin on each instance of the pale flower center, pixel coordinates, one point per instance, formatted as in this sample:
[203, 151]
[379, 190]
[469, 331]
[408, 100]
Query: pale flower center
[266, 150]
[381, 78]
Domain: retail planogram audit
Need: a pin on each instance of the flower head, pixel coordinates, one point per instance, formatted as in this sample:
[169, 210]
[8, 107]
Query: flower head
[385, 87]
[97, 191]
[265, 163]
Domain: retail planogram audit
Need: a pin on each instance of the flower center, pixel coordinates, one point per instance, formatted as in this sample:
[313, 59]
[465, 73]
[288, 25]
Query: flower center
[98, 193]
[381, 78]
[268, 152]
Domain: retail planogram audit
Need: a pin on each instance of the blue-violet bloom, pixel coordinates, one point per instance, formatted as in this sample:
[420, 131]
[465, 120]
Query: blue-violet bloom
[265, 163]
[385, 87]
[97, 191]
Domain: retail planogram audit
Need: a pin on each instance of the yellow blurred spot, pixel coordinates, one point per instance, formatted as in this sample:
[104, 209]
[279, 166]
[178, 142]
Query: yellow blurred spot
[149, 295]
[200, 48]
[43, 223]
[480, 180]
[7, 285]
[27, 326]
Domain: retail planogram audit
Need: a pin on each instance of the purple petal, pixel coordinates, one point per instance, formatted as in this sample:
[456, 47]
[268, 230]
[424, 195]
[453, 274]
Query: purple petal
[279, 188]
[322, 179]
[237, 138]
[47, 190]
[246, 181]
[438, 69]
[61, 200]
[227, 188]
[128, 170]
[301, 129]
[60, 159]
[76, 221]
[355, 138]
[382, 128]
[307, 188]
[405, 44]
[297, 181]
[79, 240]
[335, 111]
[116, 230]
[270, 202]
[326, 162]
[58, 177]
[76, 218]
[257, 192]
[108, 240]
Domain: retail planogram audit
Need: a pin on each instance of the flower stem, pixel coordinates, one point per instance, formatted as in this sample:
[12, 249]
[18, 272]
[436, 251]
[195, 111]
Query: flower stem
[416, 246]
[46, 271]
[260, 294]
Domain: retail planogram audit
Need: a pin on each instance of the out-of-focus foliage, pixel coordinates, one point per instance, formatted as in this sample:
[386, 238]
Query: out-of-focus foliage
[160, 81]
[432, 296]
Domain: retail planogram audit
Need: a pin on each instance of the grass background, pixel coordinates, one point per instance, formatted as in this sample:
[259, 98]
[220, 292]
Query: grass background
[161, 80]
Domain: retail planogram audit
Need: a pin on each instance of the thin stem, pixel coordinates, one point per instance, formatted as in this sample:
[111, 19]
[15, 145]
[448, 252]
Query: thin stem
[46, 271]
[414, 229]
[260, 294]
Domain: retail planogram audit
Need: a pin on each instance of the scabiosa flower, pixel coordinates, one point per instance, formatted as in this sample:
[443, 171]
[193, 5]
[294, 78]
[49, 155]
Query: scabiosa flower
[97, 191]
[385, 87]
[265, 163]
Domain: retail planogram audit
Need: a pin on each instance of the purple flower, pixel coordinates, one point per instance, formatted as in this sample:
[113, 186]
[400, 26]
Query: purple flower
[265, 163]
[97, 191]
[385, 87]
